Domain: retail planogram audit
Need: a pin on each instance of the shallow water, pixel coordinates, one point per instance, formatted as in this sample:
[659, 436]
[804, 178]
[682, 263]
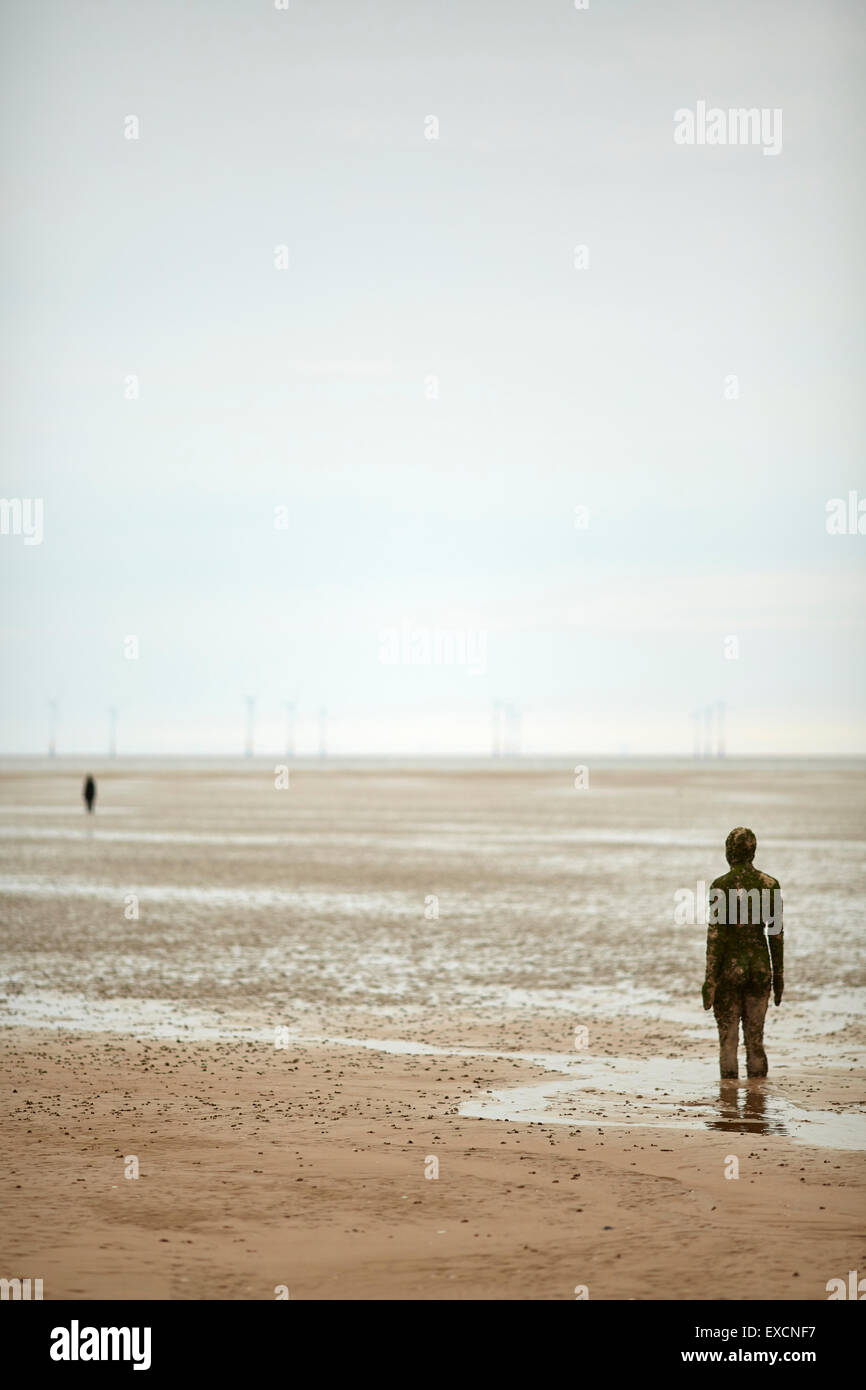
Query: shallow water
[599, 1092]
[665, 1094]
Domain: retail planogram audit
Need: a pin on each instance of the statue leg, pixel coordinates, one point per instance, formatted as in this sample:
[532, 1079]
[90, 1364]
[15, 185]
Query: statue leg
[754, 1013]
[727, 1011]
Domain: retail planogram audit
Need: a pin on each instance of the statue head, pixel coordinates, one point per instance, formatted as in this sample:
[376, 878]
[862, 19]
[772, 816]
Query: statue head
[740, 846]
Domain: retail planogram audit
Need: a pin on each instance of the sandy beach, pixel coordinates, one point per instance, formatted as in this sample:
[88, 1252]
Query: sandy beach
[306, 1168]
[290, 1049]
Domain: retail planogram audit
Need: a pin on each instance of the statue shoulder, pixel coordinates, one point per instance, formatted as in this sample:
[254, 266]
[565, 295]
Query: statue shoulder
[767, 880]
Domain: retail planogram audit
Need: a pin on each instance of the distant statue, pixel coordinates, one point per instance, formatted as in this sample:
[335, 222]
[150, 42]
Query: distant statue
[89, 793]
[744, 915]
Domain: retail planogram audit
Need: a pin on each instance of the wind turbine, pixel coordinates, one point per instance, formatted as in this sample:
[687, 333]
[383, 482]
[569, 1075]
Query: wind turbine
[290, 728]
[708, 730]
[696, 726]
[513, 718]
[496, 710]
[251, 718]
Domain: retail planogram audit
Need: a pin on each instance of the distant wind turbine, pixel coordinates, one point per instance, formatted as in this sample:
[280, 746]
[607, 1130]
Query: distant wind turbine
[720, 728]
[290, 728]
[251, 719]
[708, 730]
[52, 729]
[696, 729]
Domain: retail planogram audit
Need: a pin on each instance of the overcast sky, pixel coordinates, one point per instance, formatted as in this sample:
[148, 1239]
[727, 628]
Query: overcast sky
[433, 385]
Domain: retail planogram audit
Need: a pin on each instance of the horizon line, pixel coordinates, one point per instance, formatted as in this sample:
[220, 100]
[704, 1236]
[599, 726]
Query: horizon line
[317, 759]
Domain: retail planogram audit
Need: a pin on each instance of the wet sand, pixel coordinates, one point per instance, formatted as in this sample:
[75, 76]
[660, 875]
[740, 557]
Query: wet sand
[305, 1167]
[285, 1041]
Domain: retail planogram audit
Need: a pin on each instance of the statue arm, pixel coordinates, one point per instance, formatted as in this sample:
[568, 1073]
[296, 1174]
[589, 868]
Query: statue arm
[776, 936]
[715, 955]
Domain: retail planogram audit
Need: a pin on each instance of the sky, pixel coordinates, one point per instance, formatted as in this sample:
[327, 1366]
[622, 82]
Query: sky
[348, 338]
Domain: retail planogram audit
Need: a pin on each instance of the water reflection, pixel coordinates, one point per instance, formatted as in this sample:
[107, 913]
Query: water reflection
[744, 1107]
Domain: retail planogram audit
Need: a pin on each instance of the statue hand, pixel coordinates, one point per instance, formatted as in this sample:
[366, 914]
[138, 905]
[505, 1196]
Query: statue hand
[708, 994]
[778, 988]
